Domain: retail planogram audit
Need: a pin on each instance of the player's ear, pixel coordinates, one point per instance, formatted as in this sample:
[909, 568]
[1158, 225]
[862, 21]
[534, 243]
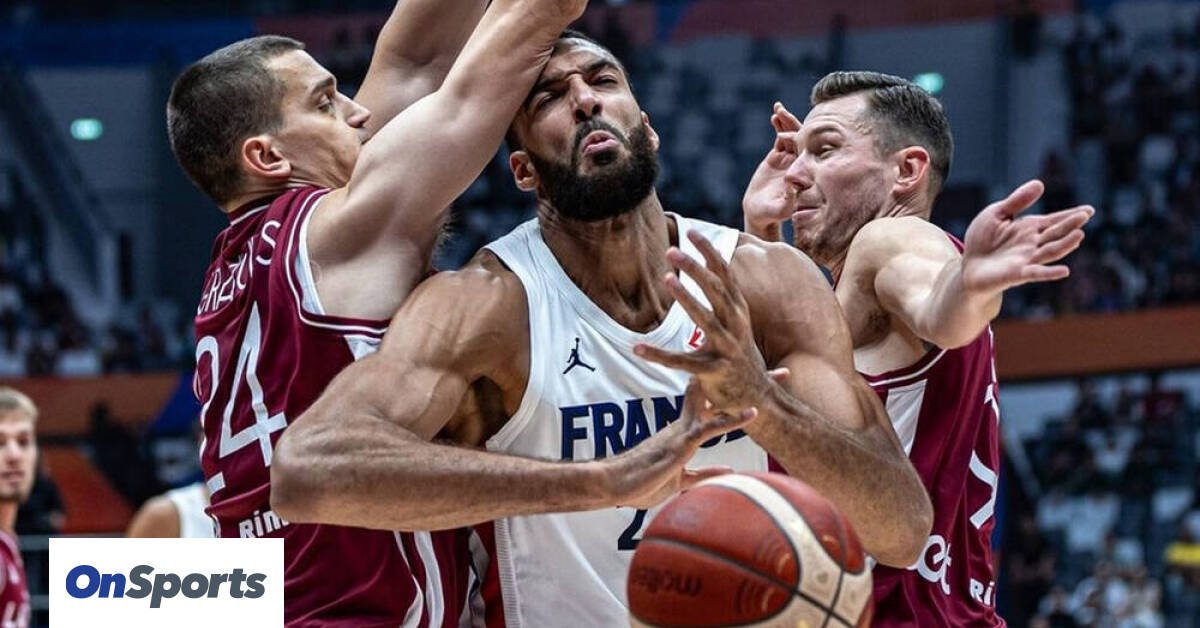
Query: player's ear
[261, 157]
[650, 131]
[524, 173]
[912, 171]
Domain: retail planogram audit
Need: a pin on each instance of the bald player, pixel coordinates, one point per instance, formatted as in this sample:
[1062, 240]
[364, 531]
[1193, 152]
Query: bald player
[334, 208]
[570, 342]
[858, 180]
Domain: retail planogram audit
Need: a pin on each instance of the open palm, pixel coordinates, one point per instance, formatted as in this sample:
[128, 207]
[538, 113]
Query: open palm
[1004, 250]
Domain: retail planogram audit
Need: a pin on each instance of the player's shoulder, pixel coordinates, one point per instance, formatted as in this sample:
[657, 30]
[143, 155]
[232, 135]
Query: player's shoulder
[482, 285]
[482, 302]
[884, 238]
[770, 263]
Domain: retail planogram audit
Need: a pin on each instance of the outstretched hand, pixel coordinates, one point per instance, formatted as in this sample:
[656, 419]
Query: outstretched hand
[1003, 250]
[658, 463]
[729, 366]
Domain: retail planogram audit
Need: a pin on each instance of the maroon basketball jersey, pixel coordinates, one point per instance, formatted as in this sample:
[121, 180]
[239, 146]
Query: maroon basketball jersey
[265, 351]
[14, 591]
[946, 411]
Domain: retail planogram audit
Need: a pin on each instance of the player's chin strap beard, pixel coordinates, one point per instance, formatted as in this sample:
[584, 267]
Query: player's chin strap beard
[617, 189]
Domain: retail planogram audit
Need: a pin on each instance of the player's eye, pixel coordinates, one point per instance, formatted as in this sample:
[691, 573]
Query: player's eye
[606, 80]
[544, 100]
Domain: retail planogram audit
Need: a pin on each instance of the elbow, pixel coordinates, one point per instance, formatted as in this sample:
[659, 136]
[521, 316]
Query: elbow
[294, 496]
[908, 541]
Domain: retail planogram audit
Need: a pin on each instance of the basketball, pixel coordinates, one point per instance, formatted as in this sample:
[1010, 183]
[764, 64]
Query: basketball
[755, 549]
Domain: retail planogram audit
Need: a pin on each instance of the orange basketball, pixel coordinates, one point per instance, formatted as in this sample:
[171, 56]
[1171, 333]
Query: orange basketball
[754, 549]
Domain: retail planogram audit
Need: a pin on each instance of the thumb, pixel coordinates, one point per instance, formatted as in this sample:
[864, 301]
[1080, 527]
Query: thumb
[1021, 199]
[692, 477]
[779, 375]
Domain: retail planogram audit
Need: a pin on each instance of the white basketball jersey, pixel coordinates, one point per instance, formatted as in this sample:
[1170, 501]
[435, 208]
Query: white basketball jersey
[190, 501]
[589, 397]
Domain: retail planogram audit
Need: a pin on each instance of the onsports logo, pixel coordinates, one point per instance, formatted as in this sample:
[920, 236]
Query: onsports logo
[85, 581]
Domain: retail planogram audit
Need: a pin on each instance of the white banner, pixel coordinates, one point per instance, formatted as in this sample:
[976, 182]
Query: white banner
[166, 582]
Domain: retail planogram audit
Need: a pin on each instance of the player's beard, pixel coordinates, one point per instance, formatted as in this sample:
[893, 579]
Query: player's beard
[614, 189]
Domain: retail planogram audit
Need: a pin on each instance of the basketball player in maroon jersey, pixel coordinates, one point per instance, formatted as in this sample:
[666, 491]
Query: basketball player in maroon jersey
[858, 179]
[328, 233]
[18, 455]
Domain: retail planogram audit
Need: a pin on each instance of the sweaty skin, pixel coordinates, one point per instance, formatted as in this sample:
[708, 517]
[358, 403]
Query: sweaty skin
[365, 441]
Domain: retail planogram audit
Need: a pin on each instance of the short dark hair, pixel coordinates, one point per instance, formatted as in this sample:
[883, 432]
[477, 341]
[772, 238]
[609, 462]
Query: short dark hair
[902, 115]
[219, 101]
[510, 138]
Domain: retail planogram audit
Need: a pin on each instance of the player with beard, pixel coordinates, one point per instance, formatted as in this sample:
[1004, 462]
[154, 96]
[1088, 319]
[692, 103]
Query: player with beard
[18, 455]
[858, 180]
[580, 341]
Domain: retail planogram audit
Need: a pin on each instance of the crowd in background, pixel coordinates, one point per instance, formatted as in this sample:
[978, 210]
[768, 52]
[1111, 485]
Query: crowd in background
[1109, 539]
[1135, 149]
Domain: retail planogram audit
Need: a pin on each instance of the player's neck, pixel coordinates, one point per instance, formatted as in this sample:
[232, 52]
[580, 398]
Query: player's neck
[256, 193]
[619, 262]
[912, 205]
[8, 516]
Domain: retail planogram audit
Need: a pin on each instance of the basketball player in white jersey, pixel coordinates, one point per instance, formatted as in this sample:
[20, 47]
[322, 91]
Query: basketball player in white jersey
[178, 513]
[858, 180]
[558, 329]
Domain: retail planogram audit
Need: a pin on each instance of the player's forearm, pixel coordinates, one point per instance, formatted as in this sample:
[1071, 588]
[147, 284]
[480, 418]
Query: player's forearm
[863, 471]
[427, 33]
[953, 315]
[367, 472]
[424, 158]
[416, 48]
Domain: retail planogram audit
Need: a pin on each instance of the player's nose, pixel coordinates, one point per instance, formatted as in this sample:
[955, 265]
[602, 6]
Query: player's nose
[799, 174]
[587, 104]
[358, 115]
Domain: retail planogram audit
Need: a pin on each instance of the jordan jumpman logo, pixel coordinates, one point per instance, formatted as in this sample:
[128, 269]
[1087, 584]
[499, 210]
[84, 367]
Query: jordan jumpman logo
[574, 360]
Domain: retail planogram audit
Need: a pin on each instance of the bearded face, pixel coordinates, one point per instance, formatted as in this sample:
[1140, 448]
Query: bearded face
[609, 173]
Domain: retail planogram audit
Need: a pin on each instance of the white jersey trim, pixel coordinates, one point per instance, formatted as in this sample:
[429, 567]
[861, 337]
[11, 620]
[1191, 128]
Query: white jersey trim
[416, 610]
[305, 281]
[911, 376]
[531, 396]
[256, 210]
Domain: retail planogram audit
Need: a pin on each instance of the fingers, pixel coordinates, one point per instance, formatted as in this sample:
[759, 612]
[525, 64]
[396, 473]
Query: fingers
[691, 362]
[712, 285]
[723, 423]
[1059, 224]
[1058, 249]
[714, 262]
[783, 120]
[1044, 273]
[1020, 200]
[708, 320]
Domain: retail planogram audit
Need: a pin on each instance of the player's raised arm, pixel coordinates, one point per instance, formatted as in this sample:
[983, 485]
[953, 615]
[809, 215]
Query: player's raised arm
[948, 298]
[824, 424]
[390, 213]
[361, 454]
[416, 48]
